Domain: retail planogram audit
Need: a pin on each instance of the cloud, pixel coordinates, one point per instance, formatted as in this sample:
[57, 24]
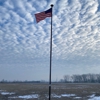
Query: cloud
[78, 33]
[75, 28]
[25, 44]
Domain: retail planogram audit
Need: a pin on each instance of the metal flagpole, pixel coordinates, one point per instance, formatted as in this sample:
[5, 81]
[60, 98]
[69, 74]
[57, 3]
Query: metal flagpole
[50, 57]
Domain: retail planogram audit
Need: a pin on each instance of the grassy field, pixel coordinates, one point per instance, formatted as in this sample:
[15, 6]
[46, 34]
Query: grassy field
[60, 91]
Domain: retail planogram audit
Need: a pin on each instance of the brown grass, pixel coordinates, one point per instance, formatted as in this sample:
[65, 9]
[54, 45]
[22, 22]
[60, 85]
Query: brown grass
[80, 90]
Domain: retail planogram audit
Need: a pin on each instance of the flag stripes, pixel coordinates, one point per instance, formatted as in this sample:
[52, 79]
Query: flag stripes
[42, 15]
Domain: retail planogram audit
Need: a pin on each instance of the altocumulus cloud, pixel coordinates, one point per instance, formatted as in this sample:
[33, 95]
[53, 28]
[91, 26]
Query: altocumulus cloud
[76, 32]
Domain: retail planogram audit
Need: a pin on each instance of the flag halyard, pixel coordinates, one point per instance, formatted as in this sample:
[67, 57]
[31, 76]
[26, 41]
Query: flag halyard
[42, 15]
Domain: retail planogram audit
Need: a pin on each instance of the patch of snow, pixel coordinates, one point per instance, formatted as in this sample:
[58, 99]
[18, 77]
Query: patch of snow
[67, 95]
[56, 96]
[7, 93]
[95, 98]
[91, 96]
[62, 95]
[78, 97]
[27, 96]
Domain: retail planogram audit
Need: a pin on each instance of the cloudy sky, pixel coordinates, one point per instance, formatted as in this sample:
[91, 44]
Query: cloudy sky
[25, 45]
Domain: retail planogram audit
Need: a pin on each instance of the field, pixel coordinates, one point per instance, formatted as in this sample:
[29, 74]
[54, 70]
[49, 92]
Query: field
[60, 91]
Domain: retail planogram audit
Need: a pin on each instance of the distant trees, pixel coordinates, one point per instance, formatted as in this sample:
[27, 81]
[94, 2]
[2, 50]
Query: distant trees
[3, 81]
[17, 81]
[76, 78]
[84, 78]
[67, 78]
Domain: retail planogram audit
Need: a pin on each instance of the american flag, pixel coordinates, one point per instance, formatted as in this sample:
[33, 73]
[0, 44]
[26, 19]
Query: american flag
[42, 15]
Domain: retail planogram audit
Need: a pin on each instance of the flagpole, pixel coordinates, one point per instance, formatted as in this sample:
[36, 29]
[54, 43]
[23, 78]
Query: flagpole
[50, 57]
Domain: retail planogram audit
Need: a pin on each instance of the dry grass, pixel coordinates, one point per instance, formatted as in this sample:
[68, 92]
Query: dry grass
[80, 90]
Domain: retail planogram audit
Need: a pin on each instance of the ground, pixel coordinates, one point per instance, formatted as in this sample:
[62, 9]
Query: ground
[59, 91]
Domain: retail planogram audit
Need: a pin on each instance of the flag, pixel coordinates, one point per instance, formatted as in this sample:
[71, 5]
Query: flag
[42, 15]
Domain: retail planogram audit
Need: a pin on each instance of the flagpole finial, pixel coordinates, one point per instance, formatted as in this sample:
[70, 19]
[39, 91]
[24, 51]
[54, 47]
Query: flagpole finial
[51, 5]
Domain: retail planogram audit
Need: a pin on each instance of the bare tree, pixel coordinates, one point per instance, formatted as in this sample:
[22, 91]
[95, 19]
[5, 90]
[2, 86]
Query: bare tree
[84, 78]
[67, 78]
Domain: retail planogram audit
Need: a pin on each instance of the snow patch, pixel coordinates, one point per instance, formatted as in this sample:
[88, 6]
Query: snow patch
[68, 95]
[56, 96]
[93, 97]
[78, 97]
[26, 96]
[7, 93]
[62, 95]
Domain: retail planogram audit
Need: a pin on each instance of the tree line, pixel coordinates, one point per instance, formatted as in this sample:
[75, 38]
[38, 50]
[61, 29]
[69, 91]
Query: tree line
[84, 78]
[17, 81]
[76, 78]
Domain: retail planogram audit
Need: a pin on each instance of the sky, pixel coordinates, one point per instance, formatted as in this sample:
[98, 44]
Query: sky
[25, 44]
